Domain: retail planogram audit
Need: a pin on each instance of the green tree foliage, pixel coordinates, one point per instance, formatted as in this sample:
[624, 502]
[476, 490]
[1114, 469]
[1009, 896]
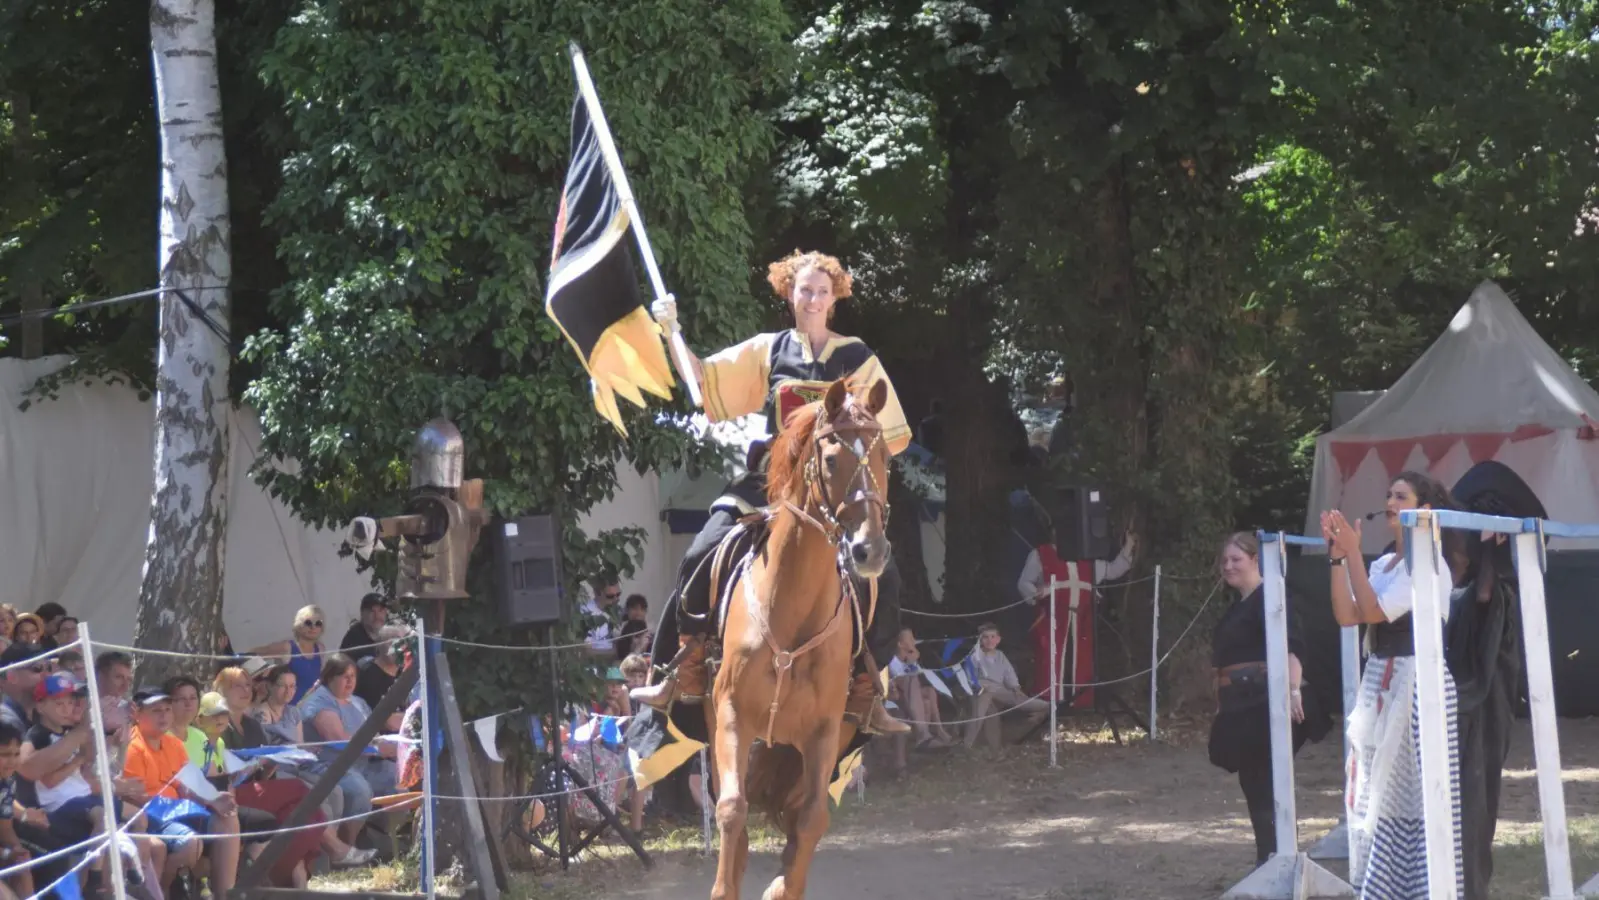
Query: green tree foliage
[429, 145]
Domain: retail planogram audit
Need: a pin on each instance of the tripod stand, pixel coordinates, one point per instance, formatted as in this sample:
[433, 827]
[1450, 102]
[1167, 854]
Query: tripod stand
[560, 773]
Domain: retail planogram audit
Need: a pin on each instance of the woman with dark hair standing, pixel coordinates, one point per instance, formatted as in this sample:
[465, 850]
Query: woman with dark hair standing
[1240, 735]
[1387, 828]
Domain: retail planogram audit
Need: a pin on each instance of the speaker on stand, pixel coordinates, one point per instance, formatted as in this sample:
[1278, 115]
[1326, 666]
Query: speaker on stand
[527, 558]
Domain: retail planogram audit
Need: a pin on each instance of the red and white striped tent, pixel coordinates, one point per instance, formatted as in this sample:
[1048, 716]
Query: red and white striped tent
[1488, 388]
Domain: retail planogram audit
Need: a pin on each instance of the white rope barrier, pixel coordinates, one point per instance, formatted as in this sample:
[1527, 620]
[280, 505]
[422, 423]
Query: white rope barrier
[87, 845]
[43, 655]
[174, 654]
[70, 873]
[1096, 684]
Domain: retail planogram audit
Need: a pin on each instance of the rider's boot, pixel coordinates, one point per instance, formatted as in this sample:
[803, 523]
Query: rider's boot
[865, 704]
[685, 679]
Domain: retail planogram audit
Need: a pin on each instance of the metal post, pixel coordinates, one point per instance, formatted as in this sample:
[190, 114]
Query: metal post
[555, 748]
[1054, 681]
[1423, 556]
[428, 859]
[1154, 659]
[1282, 754]
[108, 809]
[1349, 654]
[705, 799]
[1541, 699]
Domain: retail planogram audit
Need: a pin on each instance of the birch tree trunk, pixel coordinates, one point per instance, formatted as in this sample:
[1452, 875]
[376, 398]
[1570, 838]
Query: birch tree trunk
[180, 603]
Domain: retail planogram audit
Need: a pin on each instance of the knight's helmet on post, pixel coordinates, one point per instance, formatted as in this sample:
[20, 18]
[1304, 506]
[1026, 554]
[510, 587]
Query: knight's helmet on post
[433, 557]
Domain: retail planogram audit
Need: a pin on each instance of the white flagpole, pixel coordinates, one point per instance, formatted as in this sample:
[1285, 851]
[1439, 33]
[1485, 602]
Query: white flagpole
[613, 161]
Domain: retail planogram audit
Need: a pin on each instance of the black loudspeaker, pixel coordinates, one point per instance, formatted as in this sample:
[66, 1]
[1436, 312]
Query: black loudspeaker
[528, 561]
[1082, 524]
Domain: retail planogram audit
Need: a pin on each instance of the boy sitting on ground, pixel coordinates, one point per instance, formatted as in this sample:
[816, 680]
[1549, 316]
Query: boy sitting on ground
[1000, 689]
[919, 698]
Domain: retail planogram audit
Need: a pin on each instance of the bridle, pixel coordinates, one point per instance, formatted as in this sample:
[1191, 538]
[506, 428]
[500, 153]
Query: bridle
[817, 490]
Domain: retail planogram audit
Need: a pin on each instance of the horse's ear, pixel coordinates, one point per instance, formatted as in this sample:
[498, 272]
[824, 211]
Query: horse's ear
[877, 397]
[837, 393]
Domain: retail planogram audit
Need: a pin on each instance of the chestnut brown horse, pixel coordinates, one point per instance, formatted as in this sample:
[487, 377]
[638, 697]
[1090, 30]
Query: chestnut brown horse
[790, 632]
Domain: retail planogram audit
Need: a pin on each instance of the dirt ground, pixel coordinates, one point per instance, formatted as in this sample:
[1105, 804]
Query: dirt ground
[1151, 821]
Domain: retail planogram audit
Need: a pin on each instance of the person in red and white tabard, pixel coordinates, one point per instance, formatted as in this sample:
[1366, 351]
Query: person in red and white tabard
[1074, 613]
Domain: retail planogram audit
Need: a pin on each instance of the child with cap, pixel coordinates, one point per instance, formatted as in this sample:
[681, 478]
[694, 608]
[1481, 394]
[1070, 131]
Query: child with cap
[155, 758]
[58, 757]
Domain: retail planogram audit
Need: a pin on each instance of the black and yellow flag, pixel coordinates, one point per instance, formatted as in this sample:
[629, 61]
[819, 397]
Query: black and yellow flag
[593, 292]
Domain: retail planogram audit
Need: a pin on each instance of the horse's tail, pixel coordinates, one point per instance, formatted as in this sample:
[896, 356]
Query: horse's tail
[775, 783]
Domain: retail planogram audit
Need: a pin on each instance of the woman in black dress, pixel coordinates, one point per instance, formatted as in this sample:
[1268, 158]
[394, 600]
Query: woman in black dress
[1240, 735]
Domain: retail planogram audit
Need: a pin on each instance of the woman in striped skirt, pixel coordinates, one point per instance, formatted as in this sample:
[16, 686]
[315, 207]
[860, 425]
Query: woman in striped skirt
[1388, 857]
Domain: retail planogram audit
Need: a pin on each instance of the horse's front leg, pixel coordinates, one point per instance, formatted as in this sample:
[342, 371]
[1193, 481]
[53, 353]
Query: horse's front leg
[810, 819]
[732, 808]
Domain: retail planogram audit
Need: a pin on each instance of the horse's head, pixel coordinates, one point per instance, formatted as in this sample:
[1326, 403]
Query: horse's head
[831, 461]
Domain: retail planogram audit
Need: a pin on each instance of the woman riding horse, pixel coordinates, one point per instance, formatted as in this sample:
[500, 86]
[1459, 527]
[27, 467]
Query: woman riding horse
[776, 373]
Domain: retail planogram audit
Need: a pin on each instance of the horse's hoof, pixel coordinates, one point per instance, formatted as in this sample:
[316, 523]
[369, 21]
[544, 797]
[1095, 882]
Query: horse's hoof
[776, 890]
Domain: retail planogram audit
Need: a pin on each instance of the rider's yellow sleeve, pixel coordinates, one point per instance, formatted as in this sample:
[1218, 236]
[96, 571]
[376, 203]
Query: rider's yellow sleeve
[736, 379]
[896, 433]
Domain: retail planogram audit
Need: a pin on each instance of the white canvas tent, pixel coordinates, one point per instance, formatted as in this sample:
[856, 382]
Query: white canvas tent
[1488, 388]
[75, 480]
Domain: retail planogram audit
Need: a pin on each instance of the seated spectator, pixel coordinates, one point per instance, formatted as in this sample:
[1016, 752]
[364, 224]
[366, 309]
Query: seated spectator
[114, 670]
[49, 616]
[58, 758]
[599, 614]
[1000, 688]
[183, 693]
[332, 712]
[273, 789]
[602, 763]
[66, 633]
[303, 651]
[635, 673]
[8, 621]
[365, 633]
[635, 635]
[18, 681]
[29, 630]
[11, 850]
[71, 662]
[375, 674]
[154, 759]
[911, 690]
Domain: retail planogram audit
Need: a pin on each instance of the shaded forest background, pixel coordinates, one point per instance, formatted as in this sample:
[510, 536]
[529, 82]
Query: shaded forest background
[1205, 217]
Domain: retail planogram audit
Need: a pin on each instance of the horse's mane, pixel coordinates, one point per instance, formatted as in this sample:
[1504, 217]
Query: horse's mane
[785, 475]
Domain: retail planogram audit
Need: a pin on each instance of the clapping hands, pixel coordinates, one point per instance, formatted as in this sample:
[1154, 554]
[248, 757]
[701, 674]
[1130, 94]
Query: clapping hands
[1343, 539]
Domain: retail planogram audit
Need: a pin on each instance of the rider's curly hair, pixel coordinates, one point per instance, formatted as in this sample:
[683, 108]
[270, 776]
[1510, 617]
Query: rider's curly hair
[782, 274]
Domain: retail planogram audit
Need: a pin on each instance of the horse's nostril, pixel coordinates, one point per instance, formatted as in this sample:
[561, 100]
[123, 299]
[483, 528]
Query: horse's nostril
[860, 552]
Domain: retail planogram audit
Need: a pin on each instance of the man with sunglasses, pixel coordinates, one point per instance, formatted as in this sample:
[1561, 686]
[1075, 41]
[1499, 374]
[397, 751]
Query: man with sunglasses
[601, 616]
[18, 683]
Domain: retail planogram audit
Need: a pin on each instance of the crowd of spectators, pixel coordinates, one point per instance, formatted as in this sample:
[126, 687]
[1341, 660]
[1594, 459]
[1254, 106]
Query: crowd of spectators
[192, 791]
